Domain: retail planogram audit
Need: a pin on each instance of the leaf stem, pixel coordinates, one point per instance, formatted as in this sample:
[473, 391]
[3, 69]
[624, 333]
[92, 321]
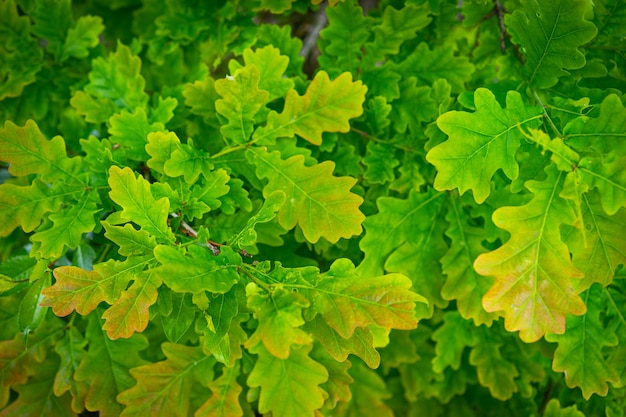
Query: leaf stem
[254, 279]
[546, 115]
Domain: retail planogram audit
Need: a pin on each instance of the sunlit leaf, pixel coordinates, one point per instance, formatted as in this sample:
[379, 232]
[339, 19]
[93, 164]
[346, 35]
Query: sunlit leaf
[201, 271]
[139, 206]
[327, 106]
[289, 387]
[224, 401]
[81, 290]
[130, 313]
[321, 204]
[481, 143]
[533, 270]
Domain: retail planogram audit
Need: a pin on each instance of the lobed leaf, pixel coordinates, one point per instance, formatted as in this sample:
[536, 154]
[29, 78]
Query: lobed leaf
[481, 143]
[29, 152]
[462, 283]
[534, 273]
[347, 300]
[580, 349]
[322, 205]
[289, 387]
[280, 319]
[327, 106]
[201, 271]
[162, 385]
[130, 313]
[224, 401]
[130, 130]
[67, 227]
[105, 367]
[241, 101]
[81, 290]
[83, 36]
[550, 34]
[133, 194]
[25, 206]
[130, 240]
[71, 350]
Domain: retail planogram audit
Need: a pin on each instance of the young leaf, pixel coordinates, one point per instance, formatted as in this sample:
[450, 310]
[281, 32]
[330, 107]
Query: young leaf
[553, 409]
[67, 228]
[280, 318]
[130, 313]
[130, 130]
[241, 100]
[550, 35]
[327, 106]
[82, 37]
[201, 271]
[29, 152]
[533, 270]
[580, 349]
[271, 66]
[321, 204]
[368, 394]
[289, 387]
[178, 321]
[115, 83]
[347, 300]
[80, 290]
[26, 206]
[161, 385]
[130, 240]
[248, 236]
[480, 143]
[138, 204]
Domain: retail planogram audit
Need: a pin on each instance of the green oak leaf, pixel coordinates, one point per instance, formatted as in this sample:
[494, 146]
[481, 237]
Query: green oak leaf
[224, 401]
[289, 387]
[321, 204]
[280, 319]
[198, 269]
[271, 66]
[133, 194]
[130, 240]
[81, 290]
[161, 385]
[481, 143]
[241, 101]
[549, 34]
[534, 273]
[580, 349]
[29, 152]
[347, 300]
[25, 206]
[248, 236]
[327, 106]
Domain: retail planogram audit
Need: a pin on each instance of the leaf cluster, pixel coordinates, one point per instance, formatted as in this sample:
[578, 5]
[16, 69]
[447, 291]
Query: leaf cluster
[194, 220]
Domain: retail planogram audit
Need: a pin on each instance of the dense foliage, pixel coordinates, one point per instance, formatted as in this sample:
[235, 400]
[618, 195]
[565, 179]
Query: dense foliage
[215, 208]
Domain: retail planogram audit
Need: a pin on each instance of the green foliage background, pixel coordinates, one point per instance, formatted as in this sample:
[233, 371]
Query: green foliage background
[424, 215]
